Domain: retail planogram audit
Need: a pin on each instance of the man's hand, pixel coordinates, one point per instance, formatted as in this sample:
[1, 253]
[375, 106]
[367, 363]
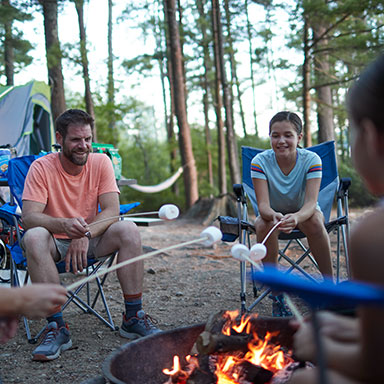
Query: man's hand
[75, 228]
[77, 255]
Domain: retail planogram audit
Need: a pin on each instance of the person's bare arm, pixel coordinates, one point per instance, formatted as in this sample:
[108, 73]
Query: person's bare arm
[33, 216]
[291, 220]
[32, 301]
[109, 207]
[262, 196]
[78, 249]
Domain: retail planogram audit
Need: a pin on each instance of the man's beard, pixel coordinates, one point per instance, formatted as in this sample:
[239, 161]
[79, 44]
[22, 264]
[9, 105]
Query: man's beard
[71, 156]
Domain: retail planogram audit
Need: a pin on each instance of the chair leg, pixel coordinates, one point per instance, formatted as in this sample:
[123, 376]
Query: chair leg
[258, 300]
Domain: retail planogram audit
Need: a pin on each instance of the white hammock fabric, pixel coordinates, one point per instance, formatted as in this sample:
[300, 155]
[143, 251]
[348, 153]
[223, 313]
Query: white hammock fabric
[159, 187]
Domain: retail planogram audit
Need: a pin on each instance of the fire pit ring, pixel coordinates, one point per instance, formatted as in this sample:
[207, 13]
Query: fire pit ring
[142, 360]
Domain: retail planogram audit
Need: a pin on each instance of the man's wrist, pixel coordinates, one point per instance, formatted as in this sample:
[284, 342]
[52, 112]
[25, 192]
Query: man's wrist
[88, 235]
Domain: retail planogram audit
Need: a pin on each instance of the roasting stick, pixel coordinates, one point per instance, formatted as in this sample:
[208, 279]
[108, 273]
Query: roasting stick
[270, 232]
[209, 236]
[166, 212]
[242, 253]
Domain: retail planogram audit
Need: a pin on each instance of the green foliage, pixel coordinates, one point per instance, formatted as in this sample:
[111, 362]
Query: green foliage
[359, 196]
[12, 16]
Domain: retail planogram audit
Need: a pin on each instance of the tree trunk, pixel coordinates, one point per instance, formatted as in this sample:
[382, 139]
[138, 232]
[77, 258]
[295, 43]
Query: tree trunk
[170, 121]
[9, 57]
[182, 40]
[84, 63]
[111, 83]
[251, 61]
[53, 52]
[233, 157]
[218, 107]
[306, 88]
[207, 66]
[185, 141]
[235, 79]
[324, 95]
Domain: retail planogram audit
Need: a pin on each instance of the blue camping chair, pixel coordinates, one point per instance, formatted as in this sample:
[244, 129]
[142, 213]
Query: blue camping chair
[330, 186]
[17, 172]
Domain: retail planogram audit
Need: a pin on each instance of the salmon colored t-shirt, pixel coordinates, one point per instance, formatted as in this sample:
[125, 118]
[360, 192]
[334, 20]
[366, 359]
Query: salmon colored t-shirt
[68, 196]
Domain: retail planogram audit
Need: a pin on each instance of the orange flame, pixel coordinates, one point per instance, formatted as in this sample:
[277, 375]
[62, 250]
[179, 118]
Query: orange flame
[228, 370]
[175, 368]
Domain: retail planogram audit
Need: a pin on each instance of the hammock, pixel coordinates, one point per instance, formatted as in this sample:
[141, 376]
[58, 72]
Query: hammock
[159, 187]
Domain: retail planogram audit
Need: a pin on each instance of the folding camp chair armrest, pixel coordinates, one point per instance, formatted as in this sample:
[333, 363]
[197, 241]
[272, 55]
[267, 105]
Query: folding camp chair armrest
[238, 190]
[344, 185]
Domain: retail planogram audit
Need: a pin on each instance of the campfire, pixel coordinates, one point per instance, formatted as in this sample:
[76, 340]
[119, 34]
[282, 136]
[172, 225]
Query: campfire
[230, 351]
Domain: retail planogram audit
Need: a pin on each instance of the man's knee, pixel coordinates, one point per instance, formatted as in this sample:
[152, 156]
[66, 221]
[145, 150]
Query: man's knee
[127, 232]
[37, 236]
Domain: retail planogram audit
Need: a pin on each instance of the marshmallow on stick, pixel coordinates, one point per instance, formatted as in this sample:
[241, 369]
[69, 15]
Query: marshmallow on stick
[207, 237]
[166, 212]
[242, 253]
[259, 250]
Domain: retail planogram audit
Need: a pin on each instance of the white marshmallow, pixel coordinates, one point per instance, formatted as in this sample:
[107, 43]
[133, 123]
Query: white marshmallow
[258, 252]
[240, 252]
[168, 212]
[213, 235]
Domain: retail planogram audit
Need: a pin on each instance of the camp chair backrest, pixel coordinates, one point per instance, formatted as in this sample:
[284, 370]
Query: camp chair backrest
[329, 181]
[17, 172]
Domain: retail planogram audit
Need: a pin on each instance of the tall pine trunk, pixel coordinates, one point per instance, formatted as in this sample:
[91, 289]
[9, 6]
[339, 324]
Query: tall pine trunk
[185, 140]
[170, 121]
[324, 94]
[232, 60]
[207, 67]
[219, 106]
[9, 56]
[252, 73]
[53, 52]
[111, 82]
[306, 87]
[89, 106]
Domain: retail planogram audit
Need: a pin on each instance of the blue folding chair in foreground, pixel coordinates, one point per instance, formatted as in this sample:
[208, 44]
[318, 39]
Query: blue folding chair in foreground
[17, 172]
[349, 293]
[330, 186]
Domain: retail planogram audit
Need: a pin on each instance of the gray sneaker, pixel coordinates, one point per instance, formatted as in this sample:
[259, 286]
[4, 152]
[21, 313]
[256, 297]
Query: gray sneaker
[55, 341]
[138, 326]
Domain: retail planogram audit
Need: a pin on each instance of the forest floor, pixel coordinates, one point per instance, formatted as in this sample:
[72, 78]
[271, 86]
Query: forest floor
[181, 287]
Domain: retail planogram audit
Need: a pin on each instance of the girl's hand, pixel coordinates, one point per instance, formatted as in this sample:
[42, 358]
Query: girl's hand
[277, 216]
[288, 223]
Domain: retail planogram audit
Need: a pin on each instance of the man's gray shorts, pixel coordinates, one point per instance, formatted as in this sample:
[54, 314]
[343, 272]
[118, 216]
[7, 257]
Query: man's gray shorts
[62, 246]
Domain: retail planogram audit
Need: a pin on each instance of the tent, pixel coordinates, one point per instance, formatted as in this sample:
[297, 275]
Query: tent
[25, 118]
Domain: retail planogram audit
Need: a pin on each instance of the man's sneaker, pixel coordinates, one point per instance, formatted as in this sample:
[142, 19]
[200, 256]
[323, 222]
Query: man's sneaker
[55, 341]
[279, 308]
[138, 326]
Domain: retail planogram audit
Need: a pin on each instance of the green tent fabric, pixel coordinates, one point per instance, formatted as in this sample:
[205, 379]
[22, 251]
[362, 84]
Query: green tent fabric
[25, 118]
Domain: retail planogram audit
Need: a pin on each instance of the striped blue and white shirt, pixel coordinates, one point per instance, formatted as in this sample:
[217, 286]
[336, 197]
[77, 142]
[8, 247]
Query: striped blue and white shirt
[286, 192]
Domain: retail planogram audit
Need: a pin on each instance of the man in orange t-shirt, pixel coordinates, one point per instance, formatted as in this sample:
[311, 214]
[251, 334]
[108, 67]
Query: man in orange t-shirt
[62, 195]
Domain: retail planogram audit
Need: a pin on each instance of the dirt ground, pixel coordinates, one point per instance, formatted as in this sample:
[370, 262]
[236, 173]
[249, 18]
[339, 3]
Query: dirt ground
[181, 287]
